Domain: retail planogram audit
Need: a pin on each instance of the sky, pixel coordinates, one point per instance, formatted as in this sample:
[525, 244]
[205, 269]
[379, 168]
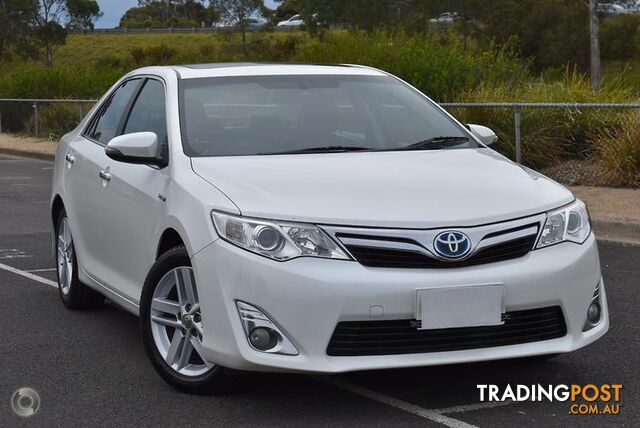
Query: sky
[114, 9]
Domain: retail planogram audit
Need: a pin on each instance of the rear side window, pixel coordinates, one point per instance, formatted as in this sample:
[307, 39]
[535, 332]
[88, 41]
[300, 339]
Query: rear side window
[148, 112]
[105, 124]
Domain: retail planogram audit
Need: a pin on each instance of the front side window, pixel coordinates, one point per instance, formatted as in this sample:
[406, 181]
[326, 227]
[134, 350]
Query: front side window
[148, 111]
[105, 125]
[261, 115]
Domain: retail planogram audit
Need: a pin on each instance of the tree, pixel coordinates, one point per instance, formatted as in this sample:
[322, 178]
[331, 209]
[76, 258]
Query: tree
[368, 15]
[52, 17]
[82, 14]
[16, 22]
[549, 33]
[594, 27]
[239, 12]
[286, 9]
[48, 28]
[167, 13]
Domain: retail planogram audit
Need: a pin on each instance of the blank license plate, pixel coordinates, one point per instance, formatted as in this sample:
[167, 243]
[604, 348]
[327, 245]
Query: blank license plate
[459, 306]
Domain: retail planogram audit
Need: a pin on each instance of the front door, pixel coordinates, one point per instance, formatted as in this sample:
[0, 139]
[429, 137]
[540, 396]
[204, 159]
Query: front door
[84, 188]
[133, 197]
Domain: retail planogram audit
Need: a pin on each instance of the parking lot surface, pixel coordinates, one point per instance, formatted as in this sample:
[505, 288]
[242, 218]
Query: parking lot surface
[89, 367]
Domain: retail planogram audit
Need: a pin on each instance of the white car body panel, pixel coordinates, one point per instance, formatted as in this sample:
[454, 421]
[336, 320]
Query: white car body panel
[319, 293]
[370, 189]
[117, 229]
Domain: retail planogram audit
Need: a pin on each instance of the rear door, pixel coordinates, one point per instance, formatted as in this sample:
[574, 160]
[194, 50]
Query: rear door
[83, 187]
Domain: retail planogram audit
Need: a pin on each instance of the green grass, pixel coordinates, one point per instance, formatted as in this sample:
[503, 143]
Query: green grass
[92, 48]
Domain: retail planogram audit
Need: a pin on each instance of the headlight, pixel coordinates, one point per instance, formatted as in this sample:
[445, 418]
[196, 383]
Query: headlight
[276, 239]
[570, 223]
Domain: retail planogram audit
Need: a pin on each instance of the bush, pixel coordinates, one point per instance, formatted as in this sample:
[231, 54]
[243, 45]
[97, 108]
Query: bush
[55, 119]
[111, 61]
[59, 81]
[549, 135]
[619, 37]
[161, 54]
[442, 65]
[152, 55]
[618, 149]
[137, 55]
[270, 47]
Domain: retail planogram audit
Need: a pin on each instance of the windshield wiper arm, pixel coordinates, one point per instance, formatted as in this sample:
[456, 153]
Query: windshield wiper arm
[435, 142]
[323, 149]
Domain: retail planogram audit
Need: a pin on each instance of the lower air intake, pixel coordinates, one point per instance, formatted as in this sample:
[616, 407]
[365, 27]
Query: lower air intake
[352, 338]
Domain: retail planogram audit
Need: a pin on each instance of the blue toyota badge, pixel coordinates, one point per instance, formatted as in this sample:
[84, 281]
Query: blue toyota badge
[452, 244]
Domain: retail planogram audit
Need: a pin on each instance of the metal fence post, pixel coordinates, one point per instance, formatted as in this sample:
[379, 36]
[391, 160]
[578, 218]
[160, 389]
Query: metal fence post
[517, 122]
[36, 119]
[80, 110]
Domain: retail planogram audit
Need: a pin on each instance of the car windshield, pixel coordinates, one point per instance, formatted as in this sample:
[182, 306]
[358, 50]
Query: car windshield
[262, 115]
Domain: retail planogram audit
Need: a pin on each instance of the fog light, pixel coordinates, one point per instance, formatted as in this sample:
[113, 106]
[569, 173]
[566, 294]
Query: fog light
[263, 338]
[594, 310]
[593, 313]
[262, 333]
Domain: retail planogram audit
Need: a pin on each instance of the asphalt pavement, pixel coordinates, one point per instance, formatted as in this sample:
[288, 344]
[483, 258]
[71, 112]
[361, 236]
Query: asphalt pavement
[89, 367]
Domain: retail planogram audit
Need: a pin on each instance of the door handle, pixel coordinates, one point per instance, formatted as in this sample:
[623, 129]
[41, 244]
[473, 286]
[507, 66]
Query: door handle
[104, 175]
[70, 158]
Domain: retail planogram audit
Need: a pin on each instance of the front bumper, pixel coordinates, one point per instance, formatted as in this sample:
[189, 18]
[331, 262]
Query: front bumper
[307, 297]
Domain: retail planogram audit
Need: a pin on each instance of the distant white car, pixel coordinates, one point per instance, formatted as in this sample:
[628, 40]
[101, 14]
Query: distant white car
[445, 18]
[250, 23]
[294, 21]
[611, 9]
[224, 24]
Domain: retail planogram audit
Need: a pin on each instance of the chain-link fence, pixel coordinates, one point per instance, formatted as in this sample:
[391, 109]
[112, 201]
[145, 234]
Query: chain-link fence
[543, 135]
[576, 143]
[42, 117]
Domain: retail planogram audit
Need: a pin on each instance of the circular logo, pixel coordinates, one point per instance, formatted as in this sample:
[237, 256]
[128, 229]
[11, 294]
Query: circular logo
[452, 244]
[25, 402]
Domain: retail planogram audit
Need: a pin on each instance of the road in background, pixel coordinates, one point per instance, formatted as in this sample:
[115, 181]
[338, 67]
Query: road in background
[89, 367]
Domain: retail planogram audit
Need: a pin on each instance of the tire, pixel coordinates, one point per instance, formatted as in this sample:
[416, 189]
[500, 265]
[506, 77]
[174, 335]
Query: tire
[171, 340]
[74, 294]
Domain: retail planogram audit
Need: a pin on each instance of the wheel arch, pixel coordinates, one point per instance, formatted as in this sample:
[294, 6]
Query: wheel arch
[56, 206]
[169, 239]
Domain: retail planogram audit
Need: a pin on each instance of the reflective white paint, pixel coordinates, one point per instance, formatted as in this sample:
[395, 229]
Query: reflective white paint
[117, 226]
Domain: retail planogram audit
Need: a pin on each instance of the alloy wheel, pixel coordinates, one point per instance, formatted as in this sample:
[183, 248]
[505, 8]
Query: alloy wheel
[176, 322]
[65, 256]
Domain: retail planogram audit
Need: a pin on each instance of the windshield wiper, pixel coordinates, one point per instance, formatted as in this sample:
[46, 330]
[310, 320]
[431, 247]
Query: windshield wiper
[322, 149]
[436, 143]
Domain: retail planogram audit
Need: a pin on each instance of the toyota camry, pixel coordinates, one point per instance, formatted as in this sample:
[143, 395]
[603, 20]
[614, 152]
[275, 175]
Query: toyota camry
[314, 218]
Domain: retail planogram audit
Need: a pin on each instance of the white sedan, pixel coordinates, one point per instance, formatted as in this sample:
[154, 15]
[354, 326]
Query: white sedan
[313, 218]
[293, 22]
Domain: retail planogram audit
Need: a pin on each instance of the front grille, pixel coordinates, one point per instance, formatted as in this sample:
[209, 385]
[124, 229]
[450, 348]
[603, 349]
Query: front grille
[397, 258]
[352, 338]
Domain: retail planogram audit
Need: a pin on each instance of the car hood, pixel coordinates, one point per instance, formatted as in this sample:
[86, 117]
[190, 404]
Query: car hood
[417, 189]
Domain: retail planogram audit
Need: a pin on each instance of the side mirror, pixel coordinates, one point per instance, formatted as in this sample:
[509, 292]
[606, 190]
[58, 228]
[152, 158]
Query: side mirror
[484, 134]
[137, 147]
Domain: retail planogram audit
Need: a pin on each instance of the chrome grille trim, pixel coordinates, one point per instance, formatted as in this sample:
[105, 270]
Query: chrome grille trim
[422, 240]
[494, 240]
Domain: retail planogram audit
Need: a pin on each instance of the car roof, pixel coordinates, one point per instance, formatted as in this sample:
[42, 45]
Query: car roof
[193, 71]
